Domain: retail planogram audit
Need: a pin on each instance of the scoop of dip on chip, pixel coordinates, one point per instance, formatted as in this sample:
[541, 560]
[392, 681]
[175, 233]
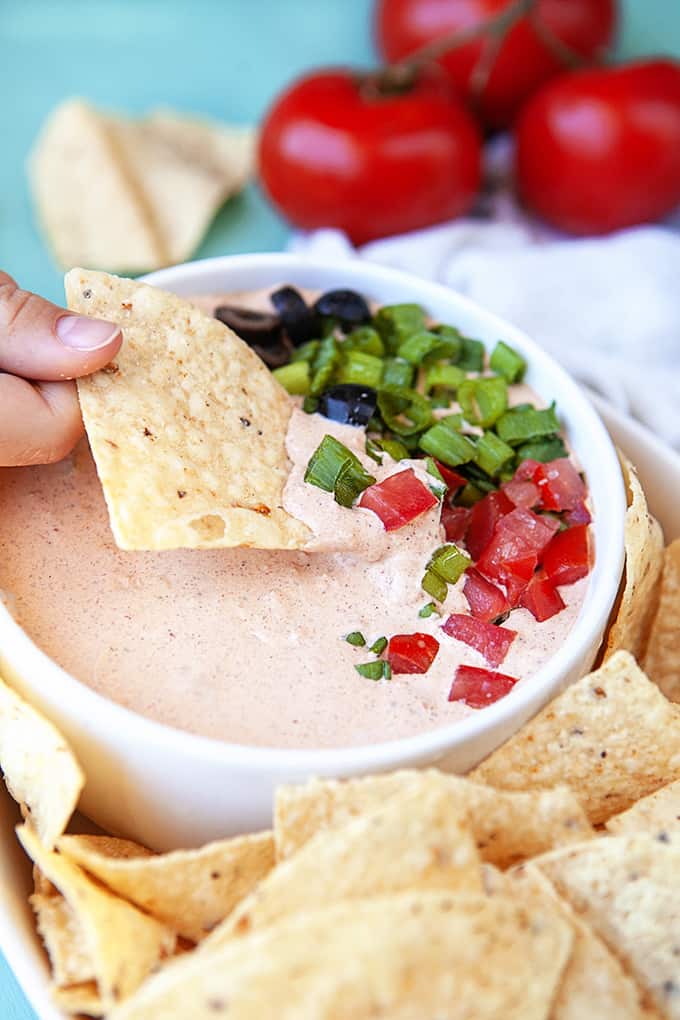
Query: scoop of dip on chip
[351, 523]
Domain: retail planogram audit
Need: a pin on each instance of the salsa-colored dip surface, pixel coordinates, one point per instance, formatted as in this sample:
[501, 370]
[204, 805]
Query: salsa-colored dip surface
[244, 645]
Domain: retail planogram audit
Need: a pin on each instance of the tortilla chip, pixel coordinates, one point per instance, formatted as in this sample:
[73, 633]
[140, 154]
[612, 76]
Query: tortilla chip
[594, 984]
[611, 738]
[644, 560]
[64, 940]
[189, 890]
[413, 842]
[660, 812]
[182, 193]
[188, 432]
[85, 198]
[40, 770]
[227, 152]
[662, 658]
[123, 944]
[409, 957]
[507, 827]
[79, 999]
[626, 888]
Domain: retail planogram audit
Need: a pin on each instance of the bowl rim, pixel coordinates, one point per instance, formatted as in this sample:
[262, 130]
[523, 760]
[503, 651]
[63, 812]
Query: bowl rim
[77, 699]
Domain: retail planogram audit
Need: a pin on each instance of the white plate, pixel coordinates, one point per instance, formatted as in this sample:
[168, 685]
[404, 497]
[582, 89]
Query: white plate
[659, 469]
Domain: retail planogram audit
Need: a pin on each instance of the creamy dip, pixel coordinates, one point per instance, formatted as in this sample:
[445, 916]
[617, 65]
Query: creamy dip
[246, 645]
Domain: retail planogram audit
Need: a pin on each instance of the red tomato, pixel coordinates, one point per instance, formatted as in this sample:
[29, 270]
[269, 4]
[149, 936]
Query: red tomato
[489, 640]
[455, 520]
[412, 653]
[522, 493]
[600, 150]
[566, 558]
[453, 480]
[398, 500]
[486, 601]
[479, 687]
[523, 62]
[333, 155]
[541, 598]
[485, 514]
[560, 485]
[515, 548]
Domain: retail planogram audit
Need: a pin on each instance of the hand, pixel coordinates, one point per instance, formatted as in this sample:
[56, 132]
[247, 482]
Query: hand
[41, 347]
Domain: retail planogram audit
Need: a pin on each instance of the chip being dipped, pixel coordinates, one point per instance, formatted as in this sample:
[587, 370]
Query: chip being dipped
[187, 428]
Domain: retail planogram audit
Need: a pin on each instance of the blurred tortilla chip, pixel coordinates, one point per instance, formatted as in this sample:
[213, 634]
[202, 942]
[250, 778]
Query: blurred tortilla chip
[594, 984]
[40, 770]
[123, 944]
[188, 432]
[659, 812]
[413, 842]
[611, 738]
[409, 957]
[79, 999]
[64, 940]
[86, 199]
[189, 890]
[662, 658]
[507, 827]
[626, 888]
[637, 604]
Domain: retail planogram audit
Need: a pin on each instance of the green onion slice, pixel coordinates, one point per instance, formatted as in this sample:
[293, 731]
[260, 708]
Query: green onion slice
[395, 449]
[428, 609]
[325, 364]
[491, 453]
[434, 585]
[444, 377]
[361, 368]
[542, 450]
[374, 451]
[448, 446]
[334, 468]
[307, 352]
[519, 425]
[483, 400]
[371, 670]
[397, 323]
[365, 339]
[507, 362]
[379, 646]
[449, 562]
[294, 377]
[404, 411]
[471, 355]
[351, 482]
[426, 345]
[454, 338]
[397, 372]
[356, 638]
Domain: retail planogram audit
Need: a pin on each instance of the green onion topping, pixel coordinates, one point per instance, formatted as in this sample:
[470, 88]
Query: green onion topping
[428, 609]
[434, 585]
[448, 446]
[449, 562]
[294, 377]
[507, 362]
[334, 468]
[483, 400]
[379, 646]
[518, 425]
[376, 670]
[404, 411]
[491, 453]
[356, 638]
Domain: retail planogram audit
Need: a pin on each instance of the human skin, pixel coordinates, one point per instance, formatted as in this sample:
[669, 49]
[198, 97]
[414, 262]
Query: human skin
[43, 348]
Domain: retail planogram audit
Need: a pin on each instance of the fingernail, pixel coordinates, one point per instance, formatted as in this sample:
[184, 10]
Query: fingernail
[85, 334]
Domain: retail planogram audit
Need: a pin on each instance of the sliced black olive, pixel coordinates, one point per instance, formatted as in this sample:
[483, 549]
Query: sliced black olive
[297, 318]
[262, 331]
[348, 403]
[261, 328]
[348, 307]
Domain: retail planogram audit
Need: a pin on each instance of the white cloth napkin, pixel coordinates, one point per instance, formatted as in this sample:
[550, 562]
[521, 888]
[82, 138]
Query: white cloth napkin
[607, 308]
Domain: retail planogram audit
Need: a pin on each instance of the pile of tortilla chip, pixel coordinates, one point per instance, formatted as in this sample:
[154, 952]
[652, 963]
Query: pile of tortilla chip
[543, 886]
[133, 195]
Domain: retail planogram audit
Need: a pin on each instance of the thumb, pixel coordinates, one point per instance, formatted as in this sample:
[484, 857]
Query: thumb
[42, 342]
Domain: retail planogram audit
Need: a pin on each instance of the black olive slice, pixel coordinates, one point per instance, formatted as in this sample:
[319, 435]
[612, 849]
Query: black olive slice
[296, 318]
[348, 403]
[255, 328]
[348, 307]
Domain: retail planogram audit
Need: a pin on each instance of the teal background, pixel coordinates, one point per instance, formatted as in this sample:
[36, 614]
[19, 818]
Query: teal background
[224, 58]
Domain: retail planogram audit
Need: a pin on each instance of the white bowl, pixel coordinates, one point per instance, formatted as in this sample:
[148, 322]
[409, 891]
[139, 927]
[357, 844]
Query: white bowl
[166, 788]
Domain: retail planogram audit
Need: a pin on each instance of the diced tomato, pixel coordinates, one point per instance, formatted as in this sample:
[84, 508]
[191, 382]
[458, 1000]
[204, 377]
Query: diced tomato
[412, 653]
[488, 639]
[566, 558]
[560, 484]
[526, 470]
[513, 553]
[453, 480]
[522, 493]
[579, 515]
[541, 598]
[479, 687]
[486, 601]
[455, 520]
[483, 520]
[398, 500]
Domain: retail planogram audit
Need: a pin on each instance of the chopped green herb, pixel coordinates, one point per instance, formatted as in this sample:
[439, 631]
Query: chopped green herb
[507, 362]
[379, 646]
[542, 450]
[483, 400]
[371, 670]
[404, 411]
[519, 426]
[356, 638]
[434, 585]
[449, 562]
[428, 609]
[294, 377]
[448, 446]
